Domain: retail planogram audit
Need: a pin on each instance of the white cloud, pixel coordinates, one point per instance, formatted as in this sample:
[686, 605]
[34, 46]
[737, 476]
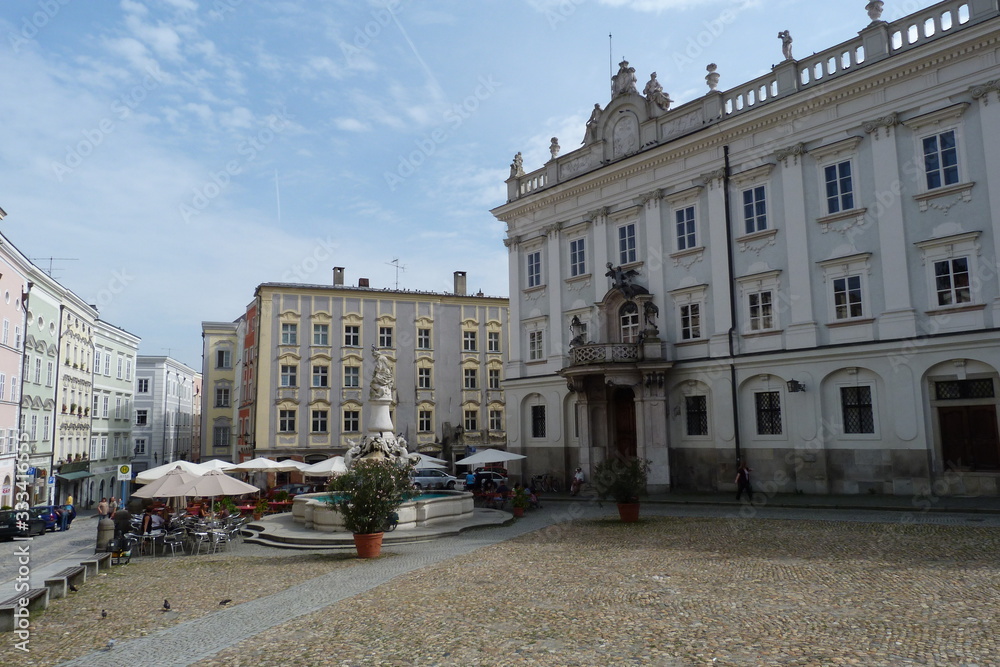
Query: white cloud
[350, 125]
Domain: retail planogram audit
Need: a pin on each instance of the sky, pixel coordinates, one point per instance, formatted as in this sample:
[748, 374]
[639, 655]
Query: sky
[171, 155]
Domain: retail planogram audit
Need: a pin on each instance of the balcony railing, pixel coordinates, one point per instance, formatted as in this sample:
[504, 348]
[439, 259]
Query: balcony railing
[604, 353]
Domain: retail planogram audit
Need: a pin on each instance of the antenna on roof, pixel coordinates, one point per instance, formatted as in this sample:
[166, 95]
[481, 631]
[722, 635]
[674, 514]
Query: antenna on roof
[53, 259]
[611, 67]
[399, 267]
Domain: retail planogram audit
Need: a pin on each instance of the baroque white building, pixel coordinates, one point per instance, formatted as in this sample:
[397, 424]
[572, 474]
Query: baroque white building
[800, 271]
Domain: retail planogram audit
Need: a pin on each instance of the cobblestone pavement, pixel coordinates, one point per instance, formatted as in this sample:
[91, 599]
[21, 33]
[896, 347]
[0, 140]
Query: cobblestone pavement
[670, 590]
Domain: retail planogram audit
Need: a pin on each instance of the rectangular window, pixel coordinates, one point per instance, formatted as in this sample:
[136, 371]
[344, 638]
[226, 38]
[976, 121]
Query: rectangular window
[839, 187]
[425, 421]
[352, 421]
[385, 336]
[38, 370]
[626, 244]
[45, 427]
[97, 361]
[34, 426]
[761, 311]
[496, 420]
[321, 334]
[494, 378]
[696, 414]
[941, 160]
[222, 397]
[856, 403]
[534, 268]
[286, 421]
[768, 407]
[471, 420]
[754, 210]
[319, 421]
[352, 336]
[469, 341]
[140, 446]
[423, 339]
[118, 407]
[107, 365]
[684, 225]
[104, 447]
[535, 347]
[423, 378]
[321, 376]
[223, 359]
[93, 448]
[142, 386]
[628, 320]
[117, 452]
[6, 331]
[128, 369]
[951, 281]
[96, 399]
[140, 417]
[120, 370]
[690, 321]
[537, 421]
[352, 376]
[471, 378]
[3, 386]
[493, 341]
[50, 372]
[289, 376]
[220, 437]
[289, 333]
[577, 257]
[847, 297]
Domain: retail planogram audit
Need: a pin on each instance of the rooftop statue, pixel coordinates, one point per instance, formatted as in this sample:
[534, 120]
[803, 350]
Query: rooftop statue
[595, 115]
[654, 93]
[517, 166]
[786, 44]
[623, 82]
[554, 147]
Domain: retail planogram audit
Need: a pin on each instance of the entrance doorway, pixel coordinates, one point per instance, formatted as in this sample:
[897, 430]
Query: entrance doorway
[969, 439]
[623, 423]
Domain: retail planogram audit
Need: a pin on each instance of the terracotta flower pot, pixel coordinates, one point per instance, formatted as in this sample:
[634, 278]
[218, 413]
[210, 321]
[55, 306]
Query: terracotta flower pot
[368, 545]
[629, 512]
[518, 511]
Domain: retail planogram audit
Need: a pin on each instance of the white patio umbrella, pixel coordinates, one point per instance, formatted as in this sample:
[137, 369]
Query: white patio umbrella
[147, 476]
[429, 462]
[217, 483]
[168, 485]
[215, 464]
[331, 466]
[260, 464]
[489, 456]
[299, 465]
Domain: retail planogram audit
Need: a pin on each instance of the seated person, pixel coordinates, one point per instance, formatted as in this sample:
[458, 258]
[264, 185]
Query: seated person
[501, 495]
[223, 513]
[532, 498]
[489, 486]
[156, 521]
[147, 521]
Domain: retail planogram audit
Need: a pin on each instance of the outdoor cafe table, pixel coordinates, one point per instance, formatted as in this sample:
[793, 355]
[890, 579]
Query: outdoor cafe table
[280, 506]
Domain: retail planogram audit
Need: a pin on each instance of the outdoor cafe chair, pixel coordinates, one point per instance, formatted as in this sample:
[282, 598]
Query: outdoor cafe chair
[220, 540]
[200, 537]
[174, 540]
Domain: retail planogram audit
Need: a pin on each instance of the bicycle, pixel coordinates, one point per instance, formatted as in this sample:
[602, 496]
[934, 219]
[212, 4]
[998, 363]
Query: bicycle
[391, 522]
[546, 483]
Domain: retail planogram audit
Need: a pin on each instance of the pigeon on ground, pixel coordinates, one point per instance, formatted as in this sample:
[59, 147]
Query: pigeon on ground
[225, 602]
[73, 588]
[166, 605]
[104, 613]
[110, 645]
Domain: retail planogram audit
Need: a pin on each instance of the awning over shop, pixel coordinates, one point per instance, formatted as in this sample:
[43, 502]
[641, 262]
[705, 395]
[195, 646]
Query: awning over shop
[80, 474]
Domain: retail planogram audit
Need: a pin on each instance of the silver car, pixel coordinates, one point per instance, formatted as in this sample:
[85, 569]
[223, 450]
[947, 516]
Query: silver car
[431, 478]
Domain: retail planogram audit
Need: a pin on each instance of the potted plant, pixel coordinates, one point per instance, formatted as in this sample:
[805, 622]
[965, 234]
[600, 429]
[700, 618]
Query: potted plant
[366, 495]
[261, 508]
[520, 501]
[624, 481]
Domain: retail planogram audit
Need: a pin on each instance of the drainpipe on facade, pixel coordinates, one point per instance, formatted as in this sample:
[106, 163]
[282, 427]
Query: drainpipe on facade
[732, 303]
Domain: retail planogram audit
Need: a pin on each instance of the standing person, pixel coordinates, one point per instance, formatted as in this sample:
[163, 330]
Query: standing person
[112, 506]
[470, 480]
[63, 513]
[102, 509]
[743, 481]
[578, 480]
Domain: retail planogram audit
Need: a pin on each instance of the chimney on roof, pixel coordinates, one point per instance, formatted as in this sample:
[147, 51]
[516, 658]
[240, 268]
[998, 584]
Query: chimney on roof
[363, 282]
[338, 276]
[460, 283]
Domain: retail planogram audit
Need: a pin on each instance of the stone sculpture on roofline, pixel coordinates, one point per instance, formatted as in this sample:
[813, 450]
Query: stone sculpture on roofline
[381, 441]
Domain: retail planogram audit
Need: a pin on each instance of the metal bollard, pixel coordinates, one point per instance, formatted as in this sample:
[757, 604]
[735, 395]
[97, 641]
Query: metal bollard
[105, 534]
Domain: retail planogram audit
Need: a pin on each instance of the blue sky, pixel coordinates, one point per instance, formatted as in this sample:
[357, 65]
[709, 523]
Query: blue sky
[178, 153]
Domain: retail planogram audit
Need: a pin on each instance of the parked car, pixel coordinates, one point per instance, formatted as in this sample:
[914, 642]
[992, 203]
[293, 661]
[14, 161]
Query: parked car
[10, 528]
[48, 513]
[483, 475]
[493, 467]
[432, 478]
[291, 489]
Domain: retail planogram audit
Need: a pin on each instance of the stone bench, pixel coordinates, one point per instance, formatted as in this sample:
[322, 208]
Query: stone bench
[36, 599]
[59, 583]
[99, 562]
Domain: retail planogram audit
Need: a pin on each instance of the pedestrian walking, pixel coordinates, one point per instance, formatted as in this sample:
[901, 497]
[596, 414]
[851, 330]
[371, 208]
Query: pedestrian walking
[102, 508]
[743, 481]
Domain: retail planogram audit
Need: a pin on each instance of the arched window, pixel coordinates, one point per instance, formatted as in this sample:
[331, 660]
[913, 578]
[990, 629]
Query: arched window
[628, 318]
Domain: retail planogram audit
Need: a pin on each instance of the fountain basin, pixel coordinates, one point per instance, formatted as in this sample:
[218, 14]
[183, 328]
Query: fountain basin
[314, 511]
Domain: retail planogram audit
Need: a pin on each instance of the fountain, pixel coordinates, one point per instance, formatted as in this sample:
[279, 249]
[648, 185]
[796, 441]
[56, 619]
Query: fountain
[381, 442]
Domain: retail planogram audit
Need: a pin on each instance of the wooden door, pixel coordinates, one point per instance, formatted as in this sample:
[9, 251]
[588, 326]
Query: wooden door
[969, 438]
[623, 434]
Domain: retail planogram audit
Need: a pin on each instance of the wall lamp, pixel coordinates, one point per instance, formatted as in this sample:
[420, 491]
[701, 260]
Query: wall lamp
[795, 385]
